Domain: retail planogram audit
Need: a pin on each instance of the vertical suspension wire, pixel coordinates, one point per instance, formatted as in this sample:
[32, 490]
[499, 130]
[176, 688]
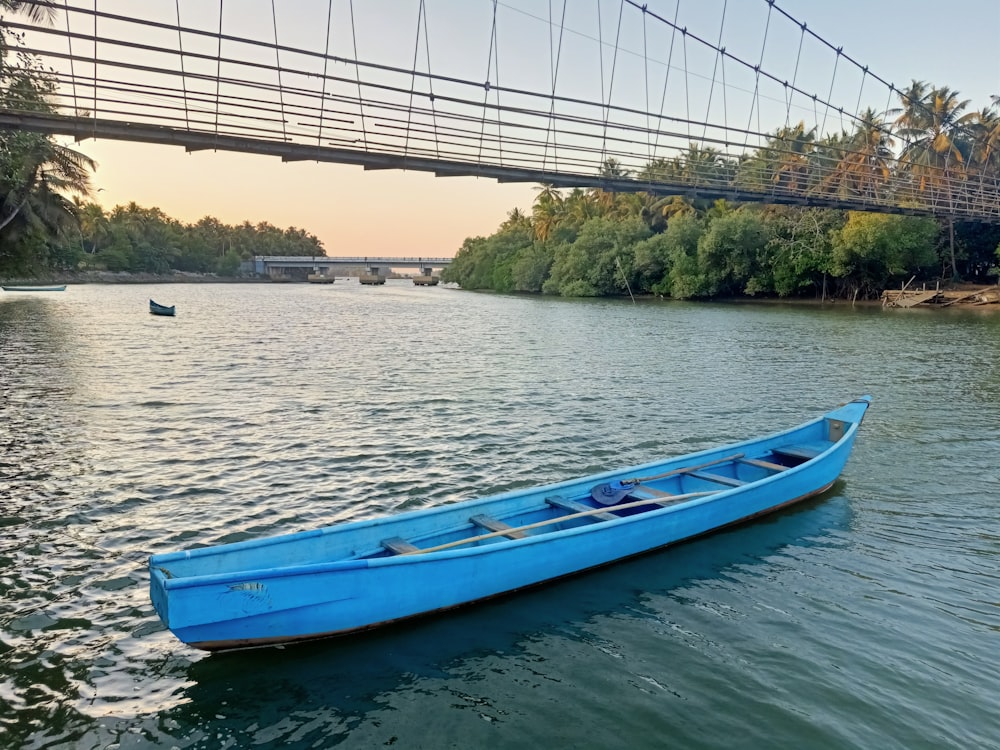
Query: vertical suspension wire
[72, 71]
[326, 63]
[486, 92]
[645, 67]
[755, 104]
[719, 49]
[885, 114]
[430, 85]
[94, 118]
[555, 53]
[861, 89]
[218, 72]
[833, 80]
[687, 84]
[790, 93]
[413, 81]
[180, 50]
[277, 62]
[357, 77]
[666, 77]
[611, 82]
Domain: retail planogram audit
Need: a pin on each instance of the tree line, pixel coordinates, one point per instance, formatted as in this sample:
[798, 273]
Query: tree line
[595, 243]
[717, 250]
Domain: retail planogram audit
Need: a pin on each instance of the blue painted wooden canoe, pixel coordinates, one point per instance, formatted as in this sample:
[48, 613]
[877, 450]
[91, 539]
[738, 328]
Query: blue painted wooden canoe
[156, 309]
[59, 288]
[360, 575]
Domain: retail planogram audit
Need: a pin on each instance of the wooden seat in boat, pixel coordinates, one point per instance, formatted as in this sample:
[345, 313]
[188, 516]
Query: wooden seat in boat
[399, 546]
[575, 507]
[717, 478]
[493, 524]
[763, 464]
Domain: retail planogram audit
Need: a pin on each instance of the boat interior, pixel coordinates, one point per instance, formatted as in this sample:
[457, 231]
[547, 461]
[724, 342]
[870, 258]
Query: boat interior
[676, 486]
[519, 514]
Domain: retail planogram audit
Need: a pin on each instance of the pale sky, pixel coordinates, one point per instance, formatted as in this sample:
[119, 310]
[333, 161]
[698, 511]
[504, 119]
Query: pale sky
[394, 213]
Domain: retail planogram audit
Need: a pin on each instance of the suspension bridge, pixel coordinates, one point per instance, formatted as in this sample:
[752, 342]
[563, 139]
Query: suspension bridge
[741, 101]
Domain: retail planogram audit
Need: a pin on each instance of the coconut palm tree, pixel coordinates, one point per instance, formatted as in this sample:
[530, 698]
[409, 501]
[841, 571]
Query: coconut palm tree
[546, 212]
[793, 147]
[936, 141]
[861, 161]
[39, 11]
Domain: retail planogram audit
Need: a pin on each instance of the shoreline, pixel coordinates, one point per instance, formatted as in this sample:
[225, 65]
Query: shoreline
[185, 277]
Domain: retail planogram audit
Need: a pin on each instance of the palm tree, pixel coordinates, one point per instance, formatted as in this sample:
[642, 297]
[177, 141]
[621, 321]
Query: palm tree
[35, 164]
[792, 147]
[93, 225]
[39, 11]
[936, 143]
[863, 160]
[546, 213]
[937, 147]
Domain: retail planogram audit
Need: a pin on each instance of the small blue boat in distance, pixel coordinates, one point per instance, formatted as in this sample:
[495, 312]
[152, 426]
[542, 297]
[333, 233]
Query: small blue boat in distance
[360, 575]
[156, 309]
[56, 288]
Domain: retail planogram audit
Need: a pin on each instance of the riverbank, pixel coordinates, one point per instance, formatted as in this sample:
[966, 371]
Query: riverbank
[125, 277]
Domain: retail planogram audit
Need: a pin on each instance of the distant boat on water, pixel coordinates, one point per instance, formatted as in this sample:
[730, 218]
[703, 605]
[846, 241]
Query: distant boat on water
[59, 288]
[156, 309]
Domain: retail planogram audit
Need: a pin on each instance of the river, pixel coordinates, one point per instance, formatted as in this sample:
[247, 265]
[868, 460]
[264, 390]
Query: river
[867, 618]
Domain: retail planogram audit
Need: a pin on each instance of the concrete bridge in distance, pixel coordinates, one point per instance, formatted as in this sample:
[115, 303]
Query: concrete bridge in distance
[301, 267]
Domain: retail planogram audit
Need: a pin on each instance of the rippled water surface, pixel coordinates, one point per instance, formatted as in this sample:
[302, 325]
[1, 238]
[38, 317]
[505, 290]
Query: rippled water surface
[868, 618]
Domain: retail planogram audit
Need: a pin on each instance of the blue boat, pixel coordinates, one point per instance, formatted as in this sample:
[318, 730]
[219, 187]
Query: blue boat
[156, 309]
[360, 575]
[58, 288]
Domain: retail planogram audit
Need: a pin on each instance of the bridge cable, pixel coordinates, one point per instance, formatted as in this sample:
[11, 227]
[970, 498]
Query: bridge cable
[72, 71]
[757, 70]
[413, 80]
[887, 130]
[357, 76]
[388, 105]
[718, 54]
[790, 93]
[606, 103]
[670, 60]
[645, 67]
[555, 54]
[218, 74]
[94, 118]
[180, 49]
[430, 78]
[861, 89]
[326, 62]
[277, 60]
[486, 84]
[833, 79]
[687, 83]
[359, 63]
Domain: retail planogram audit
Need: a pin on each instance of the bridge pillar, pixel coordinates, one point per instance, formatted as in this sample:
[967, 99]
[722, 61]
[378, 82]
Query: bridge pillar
[372, 276]
[426, 278]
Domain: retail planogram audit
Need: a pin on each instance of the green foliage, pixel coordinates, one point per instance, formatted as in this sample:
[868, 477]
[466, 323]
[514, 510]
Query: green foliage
[875, 251]
[596, 263]
[490, 262]
[531, 267]
[731, 254]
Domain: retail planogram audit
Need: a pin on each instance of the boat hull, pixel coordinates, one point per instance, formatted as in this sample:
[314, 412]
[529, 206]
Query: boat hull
[59, 288]
[164, 310]
[328, 582]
